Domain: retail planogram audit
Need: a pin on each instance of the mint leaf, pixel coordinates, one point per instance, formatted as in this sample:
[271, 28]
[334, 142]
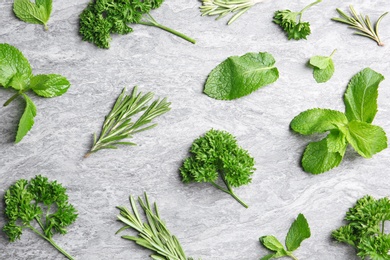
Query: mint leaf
[317, 121]
[320, 62]
[38, 13]
[298, 232]
[272, 243]
[361, 96]
[336, 142]
[51, 85]
[318, 159]
[15, 70]
[267, 257]
[366, 139]
[27, 119]
[323, 67]
[238, 76]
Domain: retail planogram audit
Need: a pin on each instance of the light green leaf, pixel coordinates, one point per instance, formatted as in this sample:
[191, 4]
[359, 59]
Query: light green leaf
[271, 243]
[27, 120]
[51, 85]
[298, 232]
[15, 70]
[366, 139]
[35, 13]
[317, 121]
[238, 76]
[323, 75]
[320, 62]
[361, 96]
[267, 257]
[318, 159]
[336, 142]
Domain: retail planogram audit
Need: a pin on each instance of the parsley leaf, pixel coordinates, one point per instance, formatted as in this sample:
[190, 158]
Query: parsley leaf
[217, 154]
[365, 228]
[291, 22]
[299, 231]
[38, 205]
[36, 13]
[15, 72]
[353, 127]
[323, 67]
[238, 76]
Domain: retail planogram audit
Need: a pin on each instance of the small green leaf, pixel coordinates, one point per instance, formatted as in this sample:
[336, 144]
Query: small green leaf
[51, 85]
[366, 139]
[35, 13]
[239, 76]
[317, 121]
[320, 62]
[15, 70]
[318, 159]
[323, 75]
[267, 257]
[27, 120]
[298, 232]
[272, 243]
[361, 96]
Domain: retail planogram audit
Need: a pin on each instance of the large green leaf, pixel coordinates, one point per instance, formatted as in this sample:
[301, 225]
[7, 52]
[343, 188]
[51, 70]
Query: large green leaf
[36, 13]
[365, 138]
[238, 76]
[298, 232]
[51, 85]
[27, 120]
[15, 70]
[361, 96]
[317, 121]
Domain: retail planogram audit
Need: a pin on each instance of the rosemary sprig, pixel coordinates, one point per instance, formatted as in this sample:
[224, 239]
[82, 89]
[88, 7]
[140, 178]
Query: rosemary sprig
[118, 124]
[224, 7]
[153, 234]
[361, 23]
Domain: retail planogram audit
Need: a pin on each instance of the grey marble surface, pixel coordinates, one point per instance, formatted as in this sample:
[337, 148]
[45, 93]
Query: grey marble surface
[209, 223]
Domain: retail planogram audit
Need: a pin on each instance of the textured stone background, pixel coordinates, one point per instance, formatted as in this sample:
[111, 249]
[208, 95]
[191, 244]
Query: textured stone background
[209, 223]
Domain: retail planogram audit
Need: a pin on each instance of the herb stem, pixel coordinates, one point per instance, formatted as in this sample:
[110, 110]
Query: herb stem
[331, 55]
[310, 5]
[231, 193]
[12, 98]
[153, 22]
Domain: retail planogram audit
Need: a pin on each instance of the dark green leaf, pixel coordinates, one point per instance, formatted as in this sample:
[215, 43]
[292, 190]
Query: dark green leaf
[298, 232]
[27, 120]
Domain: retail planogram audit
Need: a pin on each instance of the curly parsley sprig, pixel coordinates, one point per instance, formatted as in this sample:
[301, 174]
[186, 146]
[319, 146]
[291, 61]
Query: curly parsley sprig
[291, 22]
[361, 23]
[118, 124]
[38, 204]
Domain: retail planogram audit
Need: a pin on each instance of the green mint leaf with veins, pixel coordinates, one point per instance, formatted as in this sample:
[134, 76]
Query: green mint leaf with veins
[238, 76]
[101, 18]
[352, 128]
[16, 73]
[299, 231]
[35, 13]
[323, 67]
[40, 206]
[221, 8]
[361, 96]
[365, 228]
[119, 123]
[152, 234]
[216, 155]
[291, 22]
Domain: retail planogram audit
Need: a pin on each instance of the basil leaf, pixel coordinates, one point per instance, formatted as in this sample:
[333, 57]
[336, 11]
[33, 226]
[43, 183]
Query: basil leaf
[298, 232]
[51, 85]
[239, 76]
[27, 120]
[38, 13]
[361, 96]
[15, 70]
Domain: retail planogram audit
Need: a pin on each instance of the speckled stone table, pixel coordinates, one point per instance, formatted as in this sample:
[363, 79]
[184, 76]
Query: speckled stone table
[209, 223]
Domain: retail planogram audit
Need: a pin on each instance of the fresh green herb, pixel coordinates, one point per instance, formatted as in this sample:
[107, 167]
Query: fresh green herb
[365, 230]
[224, 7]
[217, 154]
[15, 72]
[36, 13]
[38, 204]
[353, 127]
[323, 67]
[298, 232]
[103, 17]
[153, 234]
[291, 22]
[238, 76]
[118, 124]
[362, 24]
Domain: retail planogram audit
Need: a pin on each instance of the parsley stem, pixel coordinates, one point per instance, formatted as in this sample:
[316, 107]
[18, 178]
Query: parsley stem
[153, 22]
[231, 193]
[307, 7]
